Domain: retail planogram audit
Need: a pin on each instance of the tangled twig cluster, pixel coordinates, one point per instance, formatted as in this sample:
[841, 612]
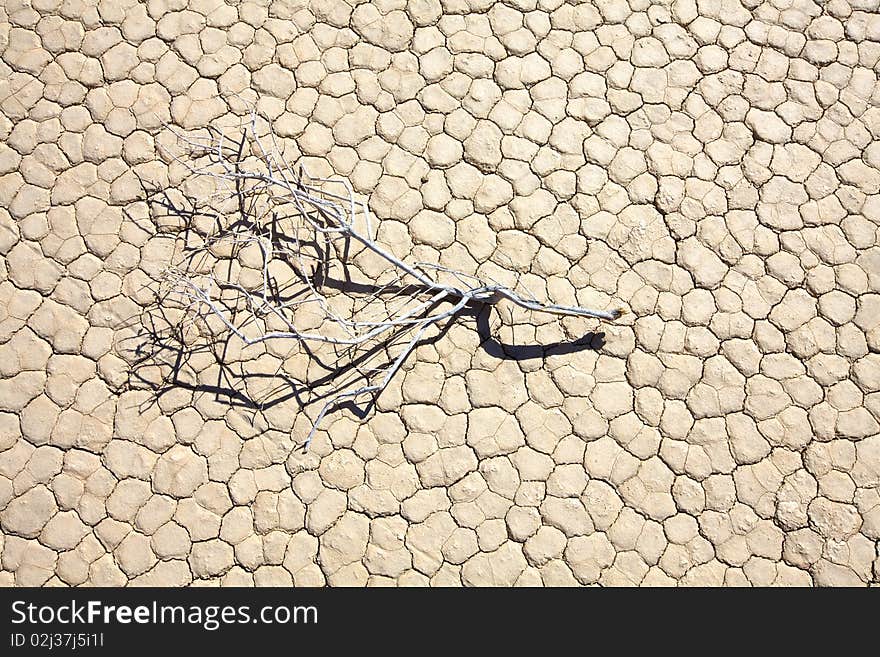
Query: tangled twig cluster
[273, 262]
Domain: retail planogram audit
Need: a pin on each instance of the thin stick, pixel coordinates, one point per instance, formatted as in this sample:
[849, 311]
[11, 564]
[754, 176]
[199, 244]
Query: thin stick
[417, 300]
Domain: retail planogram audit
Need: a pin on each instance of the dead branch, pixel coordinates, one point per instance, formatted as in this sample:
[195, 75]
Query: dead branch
[291, 242]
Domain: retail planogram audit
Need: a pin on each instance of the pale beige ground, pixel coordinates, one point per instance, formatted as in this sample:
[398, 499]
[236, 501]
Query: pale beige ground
[712, 165]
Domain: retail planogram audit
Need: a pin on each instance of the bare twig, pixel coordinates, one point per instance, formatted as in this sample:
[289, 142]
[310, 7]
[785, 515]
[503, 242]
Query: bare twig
[312, 228]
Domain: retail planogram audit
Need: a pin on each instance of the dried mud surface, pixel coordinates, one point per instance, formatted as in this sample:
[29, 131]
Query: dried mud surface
[713, 166]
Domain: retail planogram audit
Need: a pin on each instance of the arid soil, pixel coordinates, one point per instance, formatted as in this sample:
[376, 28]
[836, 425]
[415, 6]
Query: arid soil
[712, 166]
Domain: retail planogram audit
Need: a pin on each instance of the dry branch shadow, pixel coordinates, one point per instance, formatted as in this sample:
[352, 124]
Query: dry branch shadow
[593, 341]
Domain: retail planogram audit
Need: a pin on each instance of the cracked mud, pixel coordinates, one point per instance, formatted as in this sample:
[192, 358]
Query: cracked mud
[712, 166]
